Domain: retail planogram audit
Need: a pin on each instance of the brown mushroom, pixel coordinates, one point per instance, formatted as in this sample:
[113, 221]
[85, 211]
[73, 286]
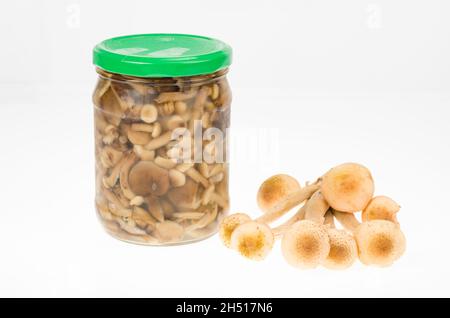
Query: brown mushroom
[184, 197]
[210, 215]
[169, 231]
[154, 207]
[167, 207]
[177, 178]
[124, 174]
[109, 157]
[149, 113]
[111, 107]
[147, 178]
[100, 90]
[138, 137]
[140, 214]
[180, 107]
[175, 96]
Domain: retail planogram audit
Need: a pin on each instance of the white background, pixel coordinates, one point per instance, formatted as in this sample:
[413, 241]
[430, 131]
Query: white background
[324, 81]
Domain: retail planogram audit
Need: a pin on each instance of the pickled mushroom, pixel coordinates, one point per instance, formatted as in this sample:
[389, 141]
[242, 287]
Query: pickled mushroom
[147, 178]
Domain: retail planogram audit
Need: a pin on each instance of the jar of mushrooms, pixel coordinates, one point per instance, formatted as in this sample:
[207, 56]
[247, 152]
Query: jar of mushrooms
[161, 114]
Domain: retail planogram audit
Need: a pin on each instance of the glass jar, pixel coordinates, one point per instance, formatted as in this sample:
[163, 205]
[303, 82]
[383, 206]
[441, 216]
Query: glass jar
[161, 113]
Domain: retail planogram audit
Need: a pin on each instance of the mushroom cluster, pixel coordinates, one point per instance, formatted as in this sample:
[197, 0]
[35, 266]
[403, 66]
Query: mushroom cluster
[309, 238]
[147, 190]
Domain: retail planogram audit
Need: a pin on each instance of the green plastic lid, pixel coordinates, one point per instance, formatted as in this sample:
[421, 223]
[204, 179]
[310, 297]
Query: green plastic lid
[162, 55]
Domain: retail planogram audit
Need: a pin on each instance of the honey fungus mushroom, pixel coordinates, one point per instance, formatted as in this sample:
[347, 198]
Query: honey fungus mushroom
[252, 240]
[233, 221]
[275, 189]
[309, 236]
[380, 242]
[343, 250]
[290, 201]
[229, 224]
[314, 207]
[381, 208]
[147, 178]
[305, 244]
[348, 187]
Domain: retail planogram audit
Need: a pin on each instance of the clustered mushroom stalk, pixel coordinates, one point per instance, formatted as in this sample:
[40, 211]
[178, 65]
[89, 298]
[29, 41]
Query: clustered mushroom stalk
[255, 239]
[309, 238]
[147, 190]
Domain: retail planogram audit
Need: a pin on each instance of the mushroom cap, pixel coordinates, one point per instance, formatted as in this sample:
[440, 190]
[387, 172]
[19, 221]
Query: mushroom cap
[348, 187]
[169, 231]
[229, 224]
[252, 240]
[306, 244]
[380, 242]
[275, 189]
[184, 197]
[343, 250]
[149, 113]
[146, 178]
[381, 208]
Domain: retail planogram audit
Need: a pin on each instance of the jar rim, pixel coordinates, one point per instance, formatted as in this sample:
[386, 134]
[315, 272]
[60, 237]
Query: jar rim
[162, 55]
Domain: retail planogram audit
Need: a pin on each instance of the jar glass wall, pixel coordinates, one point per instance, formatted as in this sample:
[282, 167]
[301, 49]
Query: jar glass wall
[161, 156]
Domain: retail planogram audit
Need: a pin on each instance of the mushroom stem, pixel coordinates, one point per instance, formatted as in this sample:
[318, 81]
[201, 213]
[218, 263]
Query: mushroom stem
[220, 200]
[102, 87]
[111, 180]
[197, 177]
[281, 229]
[347, 220]
[119, 210]
[316, 207]
[204, 220]
[154, 207]
[329, 220]
[175, 96]
[291, 201]
[201, 98]
[160, 141]
[124, 184]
